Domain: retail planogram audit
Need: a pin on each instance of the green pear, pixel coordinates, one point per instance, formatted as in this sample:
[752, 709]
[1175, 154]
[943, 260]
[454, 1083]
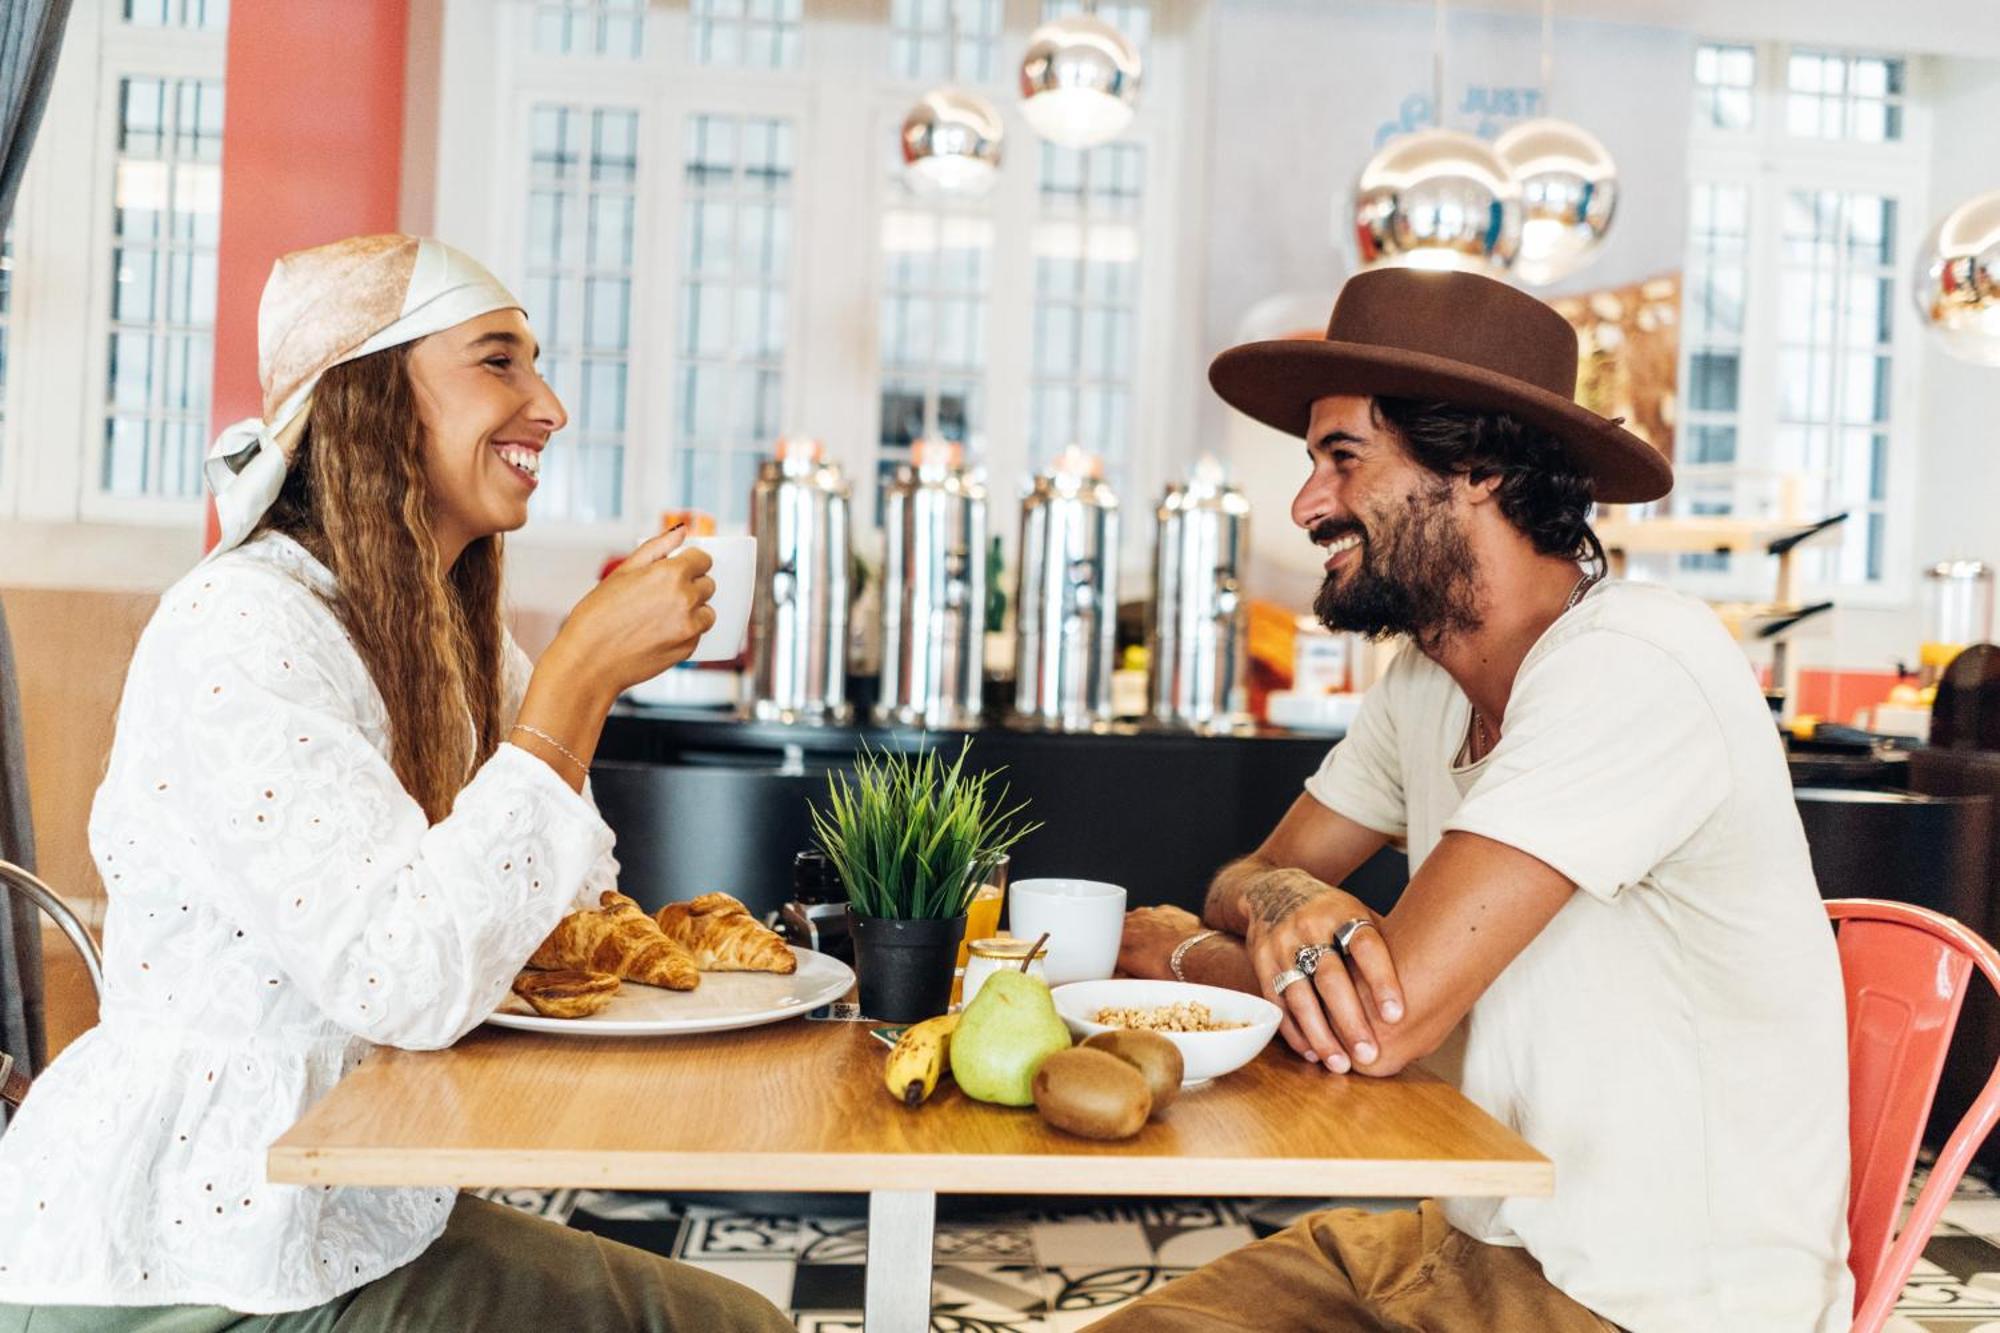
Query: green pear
[1003, 1036]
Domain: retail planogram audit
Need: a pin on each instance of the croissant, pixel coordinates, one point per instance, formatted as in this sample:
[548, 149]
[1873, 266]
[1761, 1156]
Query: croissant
[724, 937]
[566, 994]
[617, 937]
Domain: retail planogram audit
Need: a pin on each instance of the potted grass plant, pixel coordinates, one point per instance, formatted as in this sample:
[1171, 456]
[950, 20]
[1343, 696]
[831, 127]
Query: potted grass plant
[913, 839]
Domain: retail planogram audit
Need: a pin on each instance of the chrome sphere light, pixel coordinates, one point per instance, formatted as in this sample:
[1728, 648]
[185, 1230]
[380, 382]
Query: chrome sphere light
[1957, 285]
[1079, 81]
[1437, 199]
[951, 143]
[1569, 190]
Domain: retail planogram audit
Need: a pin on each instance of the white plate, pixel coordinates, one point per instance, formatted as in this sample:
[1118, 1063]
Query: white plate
[724, 1000]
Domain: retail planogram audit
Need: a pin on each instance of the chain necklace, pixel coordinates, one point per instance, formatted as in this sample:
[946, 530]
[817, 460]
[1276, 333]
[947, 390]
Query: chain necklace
[1480, 745]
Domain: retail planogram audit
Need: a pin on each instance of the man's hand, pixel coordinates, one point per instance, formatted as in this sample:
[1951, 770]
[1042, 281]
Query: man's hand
[1151, 935]
[1332, 1016]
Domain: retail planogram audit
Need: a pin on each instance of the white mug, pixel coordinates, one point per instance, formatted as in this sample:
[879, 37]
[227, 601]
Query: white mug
[734, 570]
[1084, 918]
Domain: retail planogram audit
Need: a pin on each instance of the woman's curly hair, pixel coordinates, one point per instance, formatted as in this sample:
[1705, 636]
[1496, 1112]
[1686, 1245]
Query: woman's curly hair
[1542, 491]
[356, 496]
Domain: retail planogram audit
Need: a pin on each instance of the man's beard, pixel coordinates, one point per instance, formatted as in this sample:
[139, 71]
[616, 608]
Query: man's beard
[1415, 576]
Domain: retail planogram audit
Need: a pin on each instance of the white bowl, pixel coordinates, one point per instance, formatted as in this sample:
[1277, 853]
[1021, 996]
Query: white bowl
[1204, 1055]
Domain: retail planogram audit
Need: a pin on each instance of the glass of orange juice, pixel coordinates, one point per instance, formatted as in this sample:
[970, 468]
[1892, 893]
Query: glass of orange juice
[982, 915]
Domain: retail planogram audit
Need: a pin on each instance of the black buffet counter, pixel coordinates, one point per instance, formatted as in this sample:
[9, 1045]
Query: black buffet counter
[702, 801]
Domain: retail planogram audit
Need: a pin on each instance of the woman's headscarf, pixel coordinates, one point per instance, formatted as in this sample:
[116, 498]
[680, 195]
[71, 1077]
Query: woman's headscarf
[321, 307]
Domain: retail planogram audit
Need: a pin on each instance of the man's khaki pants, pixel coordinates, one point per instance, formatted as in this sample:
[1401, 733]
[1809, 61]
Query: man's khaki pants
[494, 1268]
[1379, 1272]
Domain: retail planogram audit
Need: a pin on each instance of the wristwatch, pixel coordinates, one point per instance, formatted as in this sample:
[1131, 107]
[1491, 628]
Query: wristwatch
[1181, 951]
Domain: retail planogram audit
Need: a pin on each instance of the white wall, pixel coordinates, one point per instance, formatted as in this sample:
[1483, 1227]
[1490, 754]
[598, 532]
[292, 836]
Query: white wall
[1959, 488]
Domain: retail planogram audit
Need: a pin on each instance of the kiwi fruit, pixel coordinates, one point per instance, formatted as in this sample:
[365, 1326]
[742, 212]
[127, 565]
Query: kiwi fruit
[1151, 1054]
[1092, 1094]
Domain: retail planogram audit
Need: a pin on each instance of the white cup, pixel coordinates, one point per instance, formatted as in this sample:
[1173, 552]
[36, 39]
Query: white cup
[734, 570]
[1084, 918]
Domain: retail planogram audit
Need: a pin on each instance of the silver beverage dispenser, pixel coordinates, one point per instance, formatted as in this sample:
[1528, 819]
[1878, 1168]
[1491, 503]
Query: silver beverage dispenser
[933, 591]
[1066, 607]
[1200, 619]
[798, 621]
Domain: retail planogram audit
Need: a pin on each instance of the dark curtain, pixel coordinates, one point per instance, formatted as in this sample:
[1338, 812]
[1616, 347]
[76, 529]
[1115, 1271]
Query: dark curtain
[31, 33]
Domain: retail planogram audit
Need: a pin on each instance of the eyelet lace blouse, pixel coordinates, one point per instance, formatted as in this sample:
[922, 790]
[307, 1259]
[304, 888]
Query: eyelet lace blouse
[278, 905]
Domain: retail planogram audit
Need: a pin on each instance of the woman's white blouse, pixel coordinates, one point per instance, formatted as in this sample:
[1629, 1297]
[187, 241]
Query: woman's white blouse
[278, 905]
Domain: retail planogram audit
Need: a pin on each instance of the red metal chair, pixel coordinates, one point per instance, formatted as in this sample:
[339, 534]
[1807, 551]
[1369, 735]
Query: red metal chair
[1906, 971]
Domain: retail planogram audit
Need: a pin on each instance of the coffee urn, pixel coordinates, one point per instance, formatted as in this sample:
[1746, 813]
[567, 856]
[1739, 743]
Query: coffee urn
[933, 591]
[1066, 606]
[798, 621]
[1200, 620]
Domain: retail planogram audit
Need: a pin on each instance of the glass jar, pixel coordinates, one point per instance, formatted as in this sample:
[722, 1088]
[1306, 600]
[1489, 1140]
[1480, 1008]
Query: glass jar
[988, 956]
[1958, 612]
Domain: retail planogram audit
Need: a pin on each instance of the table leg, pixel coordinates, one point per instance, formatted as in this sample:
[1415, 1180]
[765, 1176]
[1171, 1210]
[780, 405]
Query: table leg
[900, 1224]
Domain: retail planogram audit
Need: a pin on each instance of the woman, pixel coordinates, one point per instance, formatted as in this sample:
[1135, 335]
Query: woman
[341, 809]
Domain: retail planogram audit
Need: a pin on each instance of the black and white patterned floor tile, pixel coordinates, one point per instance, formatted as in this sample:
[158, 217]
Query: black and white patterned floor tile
[1059, 1270]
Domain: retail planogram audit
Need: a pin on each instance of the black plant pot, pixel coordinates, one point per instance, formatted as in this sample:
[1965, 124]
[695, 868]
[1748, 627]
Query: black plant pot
[905, 967]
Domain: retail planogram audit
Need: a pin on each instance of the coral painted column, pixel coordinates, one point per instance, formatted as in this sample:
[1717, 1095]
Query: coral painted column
[312, 150]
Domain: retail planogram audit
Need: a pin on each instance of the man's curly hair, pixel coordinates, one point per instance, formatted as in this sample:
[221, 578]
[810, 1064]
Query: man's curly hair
[1542, 491]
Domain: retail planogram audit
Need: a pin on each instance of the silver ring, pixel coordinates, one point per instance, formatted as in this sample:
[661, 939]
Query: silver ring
[1286, 978]
[1348, 929]
[1307, 958]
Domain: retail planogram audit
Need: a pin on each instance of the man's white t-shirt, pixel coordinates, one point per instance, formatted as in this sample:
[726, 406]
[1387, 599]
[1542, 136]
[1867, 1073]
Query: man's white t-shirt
[1675, 1039]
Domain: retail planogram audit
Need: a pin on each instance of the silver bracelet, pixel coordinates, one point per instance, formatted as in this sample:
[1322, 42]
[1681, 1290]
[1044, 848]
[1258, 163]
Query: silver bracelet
[562, 749]
[1181, 952]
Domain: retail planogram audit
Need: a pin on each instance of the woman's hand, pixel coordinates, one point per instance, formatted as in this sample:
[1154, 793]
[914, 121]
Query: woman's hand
[1146, 949]
[1331, 1017]
[644, 617]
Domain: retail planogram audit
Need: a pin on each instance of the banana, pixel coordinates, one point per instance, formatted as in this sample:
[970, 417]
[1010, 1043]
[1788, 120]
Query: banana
[921, 1056]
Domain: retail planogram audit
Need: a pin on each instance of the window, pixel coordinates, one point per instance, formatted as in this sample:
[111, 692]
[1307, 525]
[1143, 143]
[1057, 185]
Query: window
[1836, 281]
[1833, 96]
[1725, 86]
[735, 285]
[1086, 304]
[613, 28]
[970, 319]
[582, 215]
[936, 266]
[759, 34]
[1716, 280]
[920, 33]
[211, 15]
[166, 206]
[1790, 406]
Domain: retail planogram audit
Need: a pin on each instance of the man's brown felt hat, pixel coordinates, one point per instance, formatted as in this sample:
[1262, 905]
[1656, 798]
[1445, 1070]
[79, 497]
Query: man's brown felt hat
[1450, 337]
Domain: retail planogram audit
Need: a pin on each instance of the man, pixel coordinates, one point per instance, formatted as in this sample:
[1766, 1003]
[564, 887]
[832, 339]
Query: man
[1611, 940]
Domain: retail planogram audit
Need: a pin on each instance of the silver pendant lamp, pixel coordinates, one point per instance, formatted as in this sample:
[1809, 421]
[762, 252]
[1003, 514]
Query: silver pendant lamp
[1569, 185]
[1957, 286]
[1437, 199]
[1079, 81]
[951, 137]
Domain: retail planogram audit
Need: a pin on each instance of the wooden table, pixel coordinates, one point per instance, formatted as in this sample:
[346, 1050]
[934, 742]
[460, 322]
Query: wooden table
[801, 1107]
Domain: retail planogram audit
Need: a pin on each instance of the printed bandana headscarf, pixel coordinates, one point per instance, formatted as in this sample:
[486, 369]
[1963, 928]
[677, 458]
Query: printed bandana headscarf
[321, 307]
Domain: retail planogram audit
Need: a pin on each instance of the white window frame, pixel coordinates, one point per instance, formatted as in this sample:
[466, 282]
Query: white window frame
[59, 392]
[492, 76]
[1770, 162]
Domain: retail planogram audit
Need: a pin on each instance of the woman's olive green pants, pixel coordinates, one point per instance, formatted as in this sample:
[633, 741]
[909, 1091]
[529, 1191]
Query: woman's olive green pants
[493, 1268]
